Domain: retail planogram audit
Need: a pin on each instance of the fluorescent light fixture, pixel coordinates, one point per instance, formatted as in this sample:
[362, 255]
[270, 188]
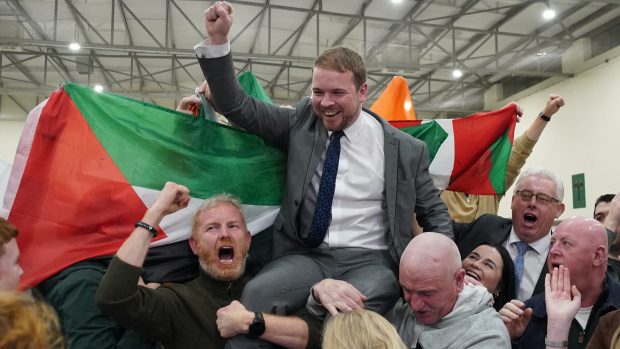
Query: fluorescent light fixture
[407, 105]
[541, 53]
[548, 14]
[74, 46]
[98, 88]
[396, 2]
[457, 73]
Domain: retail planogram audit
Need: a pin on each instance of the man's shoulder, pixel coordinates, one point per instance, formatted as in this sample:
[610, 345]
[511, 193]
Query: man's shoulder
[613, 295]
[492, 218]
[487, 227]
[399, 312]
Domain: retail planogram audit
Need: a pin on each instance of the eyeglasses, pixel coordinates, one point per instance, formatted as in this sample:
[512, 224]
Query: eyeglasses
[526, 195]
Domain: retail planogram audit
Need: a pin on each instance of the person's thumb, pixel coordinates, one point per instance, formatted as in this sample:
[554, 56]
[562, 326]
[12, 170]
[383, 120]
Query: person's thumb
[527, 315]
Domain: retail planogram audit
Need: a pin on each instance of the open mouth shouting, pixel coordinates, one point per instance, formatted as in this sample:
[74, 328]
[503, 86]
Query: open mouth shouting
[226, 255]
[530, 218]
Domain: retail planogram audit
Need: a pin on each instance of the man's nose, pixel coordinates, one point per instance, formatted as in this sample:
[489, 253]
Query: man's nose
[415, 302]
[326, 100]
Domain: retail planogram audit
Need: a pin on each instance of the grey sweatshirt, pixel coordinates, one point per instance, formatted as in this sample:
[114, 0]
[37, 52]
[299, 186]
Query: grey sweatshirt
[472, 323]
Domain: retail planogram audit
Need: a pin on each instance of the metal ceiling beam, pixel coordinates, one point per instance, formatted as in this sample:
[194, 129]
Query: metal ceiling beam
[167, 53]
[409, 15]
[296, 34]
[61, 68]
[371, 18]
[510, 48]
[22, 69]
[106, 76]
[476, 39]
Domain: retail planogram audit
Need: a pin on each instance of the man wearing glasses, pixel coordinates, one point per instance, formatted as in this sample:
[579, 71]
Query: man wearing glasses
[536, 203]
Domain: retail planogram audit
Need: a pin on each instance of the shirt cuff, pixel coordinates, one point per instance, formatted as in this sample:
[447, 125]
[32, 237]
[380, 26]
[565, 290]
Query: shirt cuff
[204, 50]
[315, 308]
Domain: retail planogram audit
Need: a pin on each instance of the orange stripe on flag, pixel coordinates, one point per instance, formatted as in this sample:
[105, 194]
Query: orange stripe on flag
[395, 102]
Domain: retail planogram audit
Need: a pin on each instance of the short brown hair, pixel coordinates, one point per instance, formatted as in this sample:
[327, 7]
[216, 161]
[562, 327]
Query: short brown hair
[7, 233]
[343, 59]
[26, 323]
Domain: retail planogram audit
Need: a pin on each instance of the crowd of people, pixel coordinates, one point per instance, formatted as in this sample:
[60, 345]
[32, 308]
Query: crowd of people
[349, 267]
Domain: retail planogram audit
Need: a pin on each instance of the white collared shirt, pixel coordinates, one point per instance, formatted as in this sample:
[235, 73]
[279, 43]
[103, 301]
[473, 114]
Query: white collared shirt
[204, 50]
[358, 219]
[535, 259]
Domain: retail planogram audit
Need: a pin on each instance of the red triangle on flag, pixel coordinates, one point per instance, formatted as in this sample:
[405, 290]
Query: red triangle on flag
[82, 207]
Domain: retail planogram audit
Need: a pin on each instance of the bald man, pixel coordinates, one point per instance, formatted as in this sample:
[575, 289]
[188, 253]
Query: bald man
[579, 244]
[438, 310]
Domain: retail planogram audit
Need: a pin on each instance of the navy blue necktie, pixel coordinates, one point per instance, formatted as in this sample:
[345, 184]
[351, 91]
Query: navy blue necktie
[522, 248]
[323, 209]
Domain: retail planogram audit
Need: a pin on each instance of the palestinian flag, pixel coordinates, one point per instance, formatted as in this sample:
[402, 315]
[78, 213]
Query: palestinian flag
[89, 164]
[469, 154]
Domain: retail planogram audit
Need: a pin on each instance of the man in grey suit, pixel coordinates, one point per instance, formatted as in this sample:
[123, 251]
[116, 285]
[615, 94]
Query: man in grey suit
[353, 181]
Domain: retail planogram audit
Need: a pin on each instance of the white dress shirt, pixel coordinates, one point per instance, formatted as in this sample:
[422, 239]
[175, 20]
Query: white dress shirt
[358, 219]
[535, 259]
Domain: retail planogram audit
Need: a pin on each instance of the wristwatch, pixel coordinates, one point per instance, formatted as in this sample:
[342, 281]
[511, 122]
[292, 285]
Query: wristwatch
[257, 327]
[544, 117]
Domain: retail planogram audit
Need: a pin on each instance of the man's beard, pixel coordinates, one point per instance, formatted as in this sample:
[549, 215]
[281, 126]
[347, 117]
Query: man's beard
[223, 274]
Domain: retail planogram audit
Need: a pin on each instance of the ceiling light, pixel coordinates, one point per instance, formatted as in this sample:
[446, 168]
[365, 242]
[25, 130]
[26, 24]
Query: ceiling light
[396, 2]
[457, 73]
[98, 88]
[74, 46]
[407, 105]
[549, 14]
[541, 53]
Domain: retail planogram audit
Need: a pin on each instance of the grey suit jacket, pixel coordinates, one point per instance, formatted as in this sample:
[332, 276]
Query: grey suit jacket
[408, 184]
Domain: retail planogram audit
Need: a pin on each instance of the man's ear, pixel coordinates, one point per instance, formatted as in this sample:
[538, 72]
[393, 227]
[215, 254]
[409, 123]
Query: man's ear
[600, 256]
[460, 279]
[561, 208]
[193, 245]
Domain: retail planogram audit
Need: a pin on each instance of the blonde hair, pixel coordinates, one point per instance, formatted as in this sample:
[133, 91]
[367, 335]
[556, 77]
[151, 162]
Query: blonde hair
[615, 340]
[360, 329]
[26, 323]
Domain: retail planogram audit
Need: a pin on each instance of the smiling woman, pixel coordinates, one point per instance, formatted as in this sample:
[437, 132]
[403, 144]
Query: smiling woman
[491, 266]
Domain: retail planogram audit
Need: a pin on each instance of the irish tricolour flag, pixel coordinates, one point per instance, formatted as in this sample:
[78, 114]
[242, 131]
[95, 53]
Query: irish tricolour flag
[89, 164]
[468, 154]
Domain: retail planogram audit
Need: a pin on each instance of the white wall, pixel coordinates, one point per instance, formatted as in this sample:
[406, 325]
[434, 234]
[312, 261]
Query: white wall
[583, 137]
[10, 131]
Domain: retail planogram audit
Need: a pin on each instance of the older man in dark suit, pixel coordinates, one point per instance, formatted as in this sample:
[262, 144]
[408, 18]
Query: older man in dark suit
[352, 186]
[536, 203]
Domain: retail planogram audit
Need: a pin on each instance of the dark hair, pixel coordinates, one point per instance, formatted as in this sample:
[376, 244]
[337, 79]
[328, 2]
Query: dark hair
[507, 283]
[603, 198]
[506, 286]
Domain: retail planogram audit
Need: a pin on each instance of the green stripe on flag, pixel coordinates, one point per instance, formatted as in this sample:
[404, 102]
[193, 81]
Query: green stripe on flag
[152, 145]
[500, 152]
[251, 86]
[430, 133]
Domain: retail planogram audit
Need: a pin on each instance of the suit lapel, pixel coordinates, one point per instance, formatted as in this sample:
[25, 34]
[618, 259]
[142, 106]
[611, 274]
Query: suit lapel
[318, 146]
[390, 149]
